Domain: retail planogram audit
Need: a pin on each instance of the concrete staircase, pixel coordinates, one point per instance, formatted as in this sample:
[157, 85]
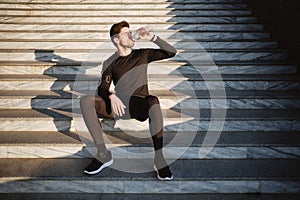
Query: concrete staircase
[230, 94]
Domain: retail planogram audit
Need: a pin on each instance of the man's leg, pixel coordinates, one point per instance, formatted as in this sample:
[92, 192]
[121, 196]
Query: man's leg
[90, 106]
[156, 129]
[141, 109]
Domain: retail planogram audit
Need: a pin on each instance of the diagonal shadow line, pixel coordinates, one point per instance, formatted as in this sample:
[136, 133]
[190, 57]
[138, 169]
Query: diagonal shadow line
[42, 103]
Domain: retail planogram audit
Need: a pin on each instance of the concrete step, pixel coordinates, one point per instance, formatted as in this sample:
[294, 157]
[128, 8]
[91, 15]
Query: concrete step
[101, 35]
[192, 120]
[120, 1]
[121, 6]
[230, 94]
[173, 83]
[81, 55]
[169, 114]
[107, 45]
[245, 145]
[156, 77]
[164, 94]
[133, 139]
[156, 27]
[126, 151]
[133, 12]
[79, 196]
[41, 102]
[154, 68]
[205, 170]
[107, 20]
[49, 99]
[192, 176]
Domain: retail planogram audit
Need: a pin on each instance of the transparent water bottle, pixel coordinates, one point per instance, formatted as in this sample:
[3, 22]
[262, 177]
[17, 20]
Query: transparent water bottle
[136, 35]
[141, 31]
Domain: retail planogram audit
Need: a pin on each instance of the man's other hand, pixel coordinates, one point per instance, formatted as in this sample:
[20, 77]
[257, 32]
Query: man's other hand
[117, 105]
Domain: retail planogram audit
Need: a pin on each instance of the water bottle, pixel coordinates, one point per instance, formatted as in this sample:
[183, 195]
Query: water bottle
[136, 35]
[140, 31]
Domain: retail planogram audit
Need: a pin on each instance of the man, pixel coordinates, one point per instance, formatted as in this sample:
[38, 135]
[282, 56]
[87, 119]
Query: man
[127, 68]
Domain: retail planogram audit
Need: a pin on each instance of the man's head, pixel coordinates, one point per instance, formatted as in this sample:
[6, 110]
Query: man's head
[120, 35]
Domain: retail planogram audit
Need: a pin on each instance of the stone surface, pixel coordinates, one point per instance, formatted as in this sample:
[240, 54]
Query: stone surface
[64, 35]
[172, 85]
[128, 1]
[124, 6]
[148, 20]
[137, 13]
[192, 56]
[156, 68]
[150, 196]
[230, 94]
[129, 181]
[179, 45]
[118, 151]
[184, 170]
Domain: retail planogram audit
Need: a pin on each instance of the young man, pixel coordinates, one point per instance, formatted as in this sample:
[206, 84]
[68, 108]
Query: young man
[127, 68]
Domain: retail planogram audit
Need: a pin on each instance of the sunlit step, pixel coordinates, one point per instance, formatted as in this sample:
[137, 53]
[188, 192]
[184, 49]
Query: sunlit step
[180, 45]
[123, 6]
[148, 20]
[103, 35]
[137, 13]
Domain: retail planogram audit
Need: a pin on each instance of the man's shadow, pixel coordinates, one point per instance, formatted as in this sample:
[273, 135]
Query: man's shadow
[57, 103]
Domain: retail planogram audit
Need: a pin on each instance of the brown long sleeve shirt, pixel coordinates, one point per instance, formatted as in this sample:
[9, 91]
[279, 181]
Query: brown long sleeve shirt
[129, 73]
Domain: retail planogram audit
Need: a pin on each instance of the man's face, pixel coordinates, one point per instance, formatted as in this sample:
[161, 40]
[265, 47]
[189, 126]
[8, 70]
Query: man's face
[125, 38]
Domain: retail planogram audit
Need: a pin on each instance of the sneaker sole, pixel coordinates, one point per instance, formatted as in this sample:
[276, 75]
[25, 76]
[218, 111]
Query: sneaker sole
[100, 169]
[160, 178]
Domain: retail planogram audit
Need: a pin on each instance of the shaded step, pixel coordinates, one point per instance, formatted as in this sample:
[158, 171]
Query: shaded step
[17, 144]
[132, 20]
[239, 139]
[192, 56]
[194, 170]
[200, 174]
[49, 124]
[67, 35]
[169, 114]
[230, 94]
[79, 196]
[15, 100]
[154, 68]
[118, 12]
[53, 67]
[37, 103]
[121, 151]
[173, 83]
[252, 120]
[179, 45]
[120, 1]
[218, 68]
[41, 102]
[164, 94]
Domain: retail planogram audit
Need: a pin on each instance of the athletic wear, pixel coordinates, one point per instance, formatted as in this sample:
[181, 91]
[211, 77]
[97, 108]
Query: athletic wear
[163, 174]
[129, 73]
[97, 166]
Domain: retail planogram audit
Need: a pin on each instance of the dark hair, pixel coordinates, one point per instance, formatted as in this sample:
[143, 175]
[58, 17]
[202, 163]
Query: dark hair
[116, 28]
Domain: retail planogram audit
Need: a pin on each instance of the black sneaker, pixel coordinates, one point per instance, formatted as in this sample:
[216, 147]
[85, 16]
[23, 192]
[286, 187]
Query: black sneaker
[97, 166]
[163, 174]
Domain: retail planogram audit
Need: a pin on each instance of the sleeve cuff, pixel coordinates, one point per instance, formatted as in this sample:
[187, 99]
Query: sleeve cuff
[153, 38]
